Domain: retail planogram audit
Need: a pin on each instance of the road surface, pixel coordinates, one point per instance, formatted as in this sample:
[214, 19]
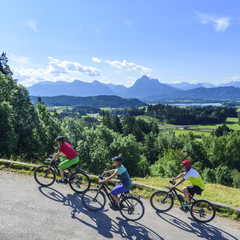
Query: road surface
[28, 211]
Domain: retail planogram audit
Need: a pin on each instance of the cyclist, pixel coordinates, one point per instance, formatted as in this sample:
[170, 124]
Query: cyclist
[125, 180]
[195, 179]
[69, 152]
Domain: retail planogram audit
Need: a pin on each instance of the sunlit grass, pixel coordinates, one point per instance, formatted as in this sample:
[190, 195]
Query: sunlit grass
[213, 192]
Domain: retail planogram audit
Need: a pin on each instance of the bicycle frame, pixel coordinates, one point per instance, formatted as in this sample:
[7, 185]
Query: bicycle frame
[104, 187]
[174, 193]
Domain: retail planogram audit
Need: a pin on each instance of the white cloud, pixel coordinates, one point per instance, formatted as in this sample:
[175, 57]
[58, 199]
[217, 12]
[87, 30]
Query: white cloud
[97, 60]
[18, 60]
[220, 23]
[56, 70]
[58, 67]
[234, 78]
[129, 66]
[32, 24]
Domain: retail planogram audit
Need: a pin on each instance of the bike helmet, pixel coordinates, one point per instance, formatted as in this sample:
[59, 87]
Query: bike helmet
[186, 163]
[60, 139]
[118, 159]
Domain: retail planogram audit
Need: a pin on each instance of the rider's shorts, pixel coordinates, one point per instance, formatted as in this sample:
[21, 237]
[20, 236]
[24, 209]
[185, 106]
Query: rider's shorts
[118, 189]
[67, 163]
[194, 189]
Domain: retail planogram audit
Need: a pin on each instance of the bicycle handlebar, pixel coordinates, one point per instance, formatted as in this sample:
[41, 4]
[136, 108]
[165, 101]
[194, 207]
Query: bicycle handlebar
[102, 176]
[172, 181]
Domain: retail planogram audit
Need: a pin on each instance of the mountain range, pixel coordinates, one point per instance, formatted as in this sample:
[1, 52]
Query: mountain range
[145, 89]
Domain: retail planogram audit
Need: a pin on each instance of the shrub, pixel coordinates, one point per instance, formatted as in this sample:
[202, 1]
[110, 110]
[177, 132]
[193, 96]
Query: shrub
[209, 175]
[223, 176]
[236, 178]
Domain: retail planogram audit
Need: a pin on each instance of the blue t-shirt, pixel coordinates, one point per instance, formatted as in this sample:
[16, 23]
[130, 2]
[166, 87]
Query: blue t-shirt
[124, 177]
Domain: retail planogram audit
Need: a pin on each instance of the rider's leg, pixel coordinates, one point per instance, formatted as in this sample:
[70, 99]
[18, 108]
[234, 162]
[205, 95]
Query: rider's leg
[117, 190]
[61, 173]
[115, 198]
[186, 194]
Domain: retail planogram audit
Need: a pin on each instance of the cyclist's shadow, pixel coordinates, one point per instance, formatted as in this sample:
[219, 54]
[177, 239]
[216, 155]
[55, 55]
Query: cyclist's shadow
[74, 202]
[202, 230]
[101, 222]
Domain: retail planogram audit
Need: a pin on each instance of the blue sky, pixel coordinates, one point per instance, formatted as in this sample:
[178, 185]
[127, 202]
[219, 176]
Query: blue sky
[119, 41]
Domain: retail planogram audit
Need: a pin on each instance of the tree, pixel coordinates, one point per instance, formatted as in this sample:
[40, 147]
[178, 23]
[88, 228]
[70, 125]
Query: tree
[8, 139]
[117, 126]
[4, 68]
[222, 130]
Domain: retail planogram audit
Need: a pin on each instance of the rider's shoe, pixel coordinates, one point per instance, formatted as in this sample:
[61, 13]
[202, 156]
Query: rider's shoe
[114, 206]
[185, 209]
[186, 204]
[62, 182]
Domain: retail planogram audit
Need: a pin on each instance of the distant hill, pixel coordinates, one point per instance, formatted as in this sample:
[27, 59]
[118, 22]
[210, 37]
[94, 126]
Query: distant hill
[218, 93]
[231, 84]
[76, 88]
[99, 101]
[144, 89]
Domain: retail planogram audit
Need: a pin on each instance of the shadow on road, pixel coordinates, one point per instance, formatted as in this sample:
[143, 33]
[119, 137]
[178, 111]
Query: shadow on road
[100, 221]
[201, 230]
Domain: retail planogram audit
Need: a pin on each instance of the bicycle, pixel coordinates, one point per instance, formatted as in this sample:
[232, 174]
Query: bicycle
[131, 208]
[78, 180]
[200, 210]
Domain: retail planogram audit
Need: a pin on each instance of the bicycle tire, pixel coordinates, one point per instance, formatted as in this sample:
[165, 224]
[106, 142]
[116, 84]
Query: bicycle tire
[132, 208]
[202, 211]
[161, 201]
[94, 200]
[44, 175]
[79, 182]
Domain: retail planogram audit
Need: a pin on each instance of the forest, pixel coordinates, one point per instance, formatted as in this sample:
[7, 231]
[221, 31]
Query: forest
[28, 133]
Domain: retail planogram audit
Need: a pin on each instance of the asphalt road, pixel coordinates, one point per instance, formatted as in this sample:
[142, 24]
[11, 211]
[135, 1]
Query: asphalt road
[28, 211]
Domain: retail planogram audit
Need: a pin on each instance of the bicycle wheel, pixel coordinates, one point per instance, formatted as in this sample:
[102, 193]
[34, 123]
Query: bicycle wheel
[161, 201]
[44, 175]
[94, 200]
[202, 211]
[79, 182]
[132, 208]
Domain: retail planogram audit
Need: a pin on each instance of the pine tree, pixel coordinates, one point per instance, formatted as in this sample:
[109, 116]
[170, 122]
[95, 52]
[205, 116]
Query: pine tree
[4, 68]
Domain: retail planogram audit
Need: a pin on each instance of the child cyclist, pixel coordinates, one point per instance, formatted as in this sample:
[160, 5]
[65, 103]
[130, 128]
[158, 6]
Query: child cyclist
[70, 153]
[125, 180]
[195, 179]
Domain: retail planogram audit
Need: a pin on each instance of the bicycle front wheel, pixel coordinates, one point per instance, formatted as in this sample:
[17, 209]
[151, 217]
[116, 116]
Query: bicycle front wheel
[44, 175]
[132, 208]
[94, 200]
[202, 211]
[79, 182]
[161, 201]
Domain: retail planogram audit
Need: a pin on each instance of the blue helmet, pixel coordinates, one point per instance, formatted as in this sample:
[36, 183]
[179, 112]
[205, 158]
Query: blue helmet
[118, 159]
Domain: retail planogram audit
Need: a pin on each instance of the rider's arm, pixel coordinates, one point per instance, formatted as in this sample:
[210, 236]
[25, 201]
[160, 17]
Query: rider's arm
[109, 171]
[55, 156]
[178, 183]
[109, 178]
[179, 176]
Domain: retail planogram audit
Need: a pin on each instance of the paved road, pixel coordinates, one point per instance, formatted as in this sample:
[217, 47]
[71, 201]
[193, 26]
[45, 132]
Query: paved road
[28, 211]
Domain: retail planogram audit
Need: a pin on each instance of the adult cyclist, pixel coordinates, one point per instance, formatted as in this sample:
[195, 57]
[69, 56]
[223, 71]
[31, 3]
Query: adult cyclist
[69, 152]
[194, 177]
